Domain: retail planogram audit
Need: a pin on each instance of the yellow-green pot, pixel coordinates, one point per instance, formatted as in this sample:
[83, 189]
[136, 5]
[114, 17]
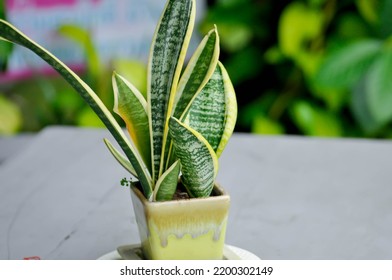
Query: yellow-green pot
[182, 229]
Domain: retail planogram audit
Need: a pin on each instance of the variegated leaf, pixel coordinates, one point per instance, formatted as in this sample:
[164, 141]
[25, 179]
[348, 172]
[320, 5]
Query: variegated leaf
[120, 158]
[198, 160]
[230, 112]
[197, 73]
[207, 112]
[130, 104]
[9, 33]
[167, 183]
[213, 113]
[168, 50]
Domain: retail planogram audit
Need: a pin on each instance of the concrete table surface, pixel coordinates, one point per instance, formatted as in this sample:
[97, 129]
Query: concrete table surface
[292, 197]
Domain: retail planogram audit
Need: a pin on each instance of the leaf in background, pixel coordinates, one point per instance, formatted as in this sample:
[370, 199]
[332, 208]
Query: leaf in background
[359, 106]
[88, 118]
[243, 66]
[234, 36]
[198, 159]
[297, 25]
[344, 67]
[130, 104]
[10, 33]
[133, 71]
[352, 27]
[379, 88]
[167, 184]
[236, 22]
[83, 38]
[314, 121]
[10, 117]
[369, 10]
[386, 18]
[266, 126]
[168, 50]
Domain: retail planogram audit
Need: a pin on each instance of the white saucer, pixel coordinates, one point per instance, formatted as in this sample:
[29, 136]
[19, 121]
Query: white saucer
[229, 253]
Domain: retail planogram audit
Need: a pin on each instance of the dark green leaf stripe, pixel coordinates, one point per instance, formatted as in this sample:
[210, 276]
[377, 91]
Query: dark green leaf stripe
[197, 73]
[130, 104]
[167, 54]
[198, 160]
[10, 33]
[207, 112]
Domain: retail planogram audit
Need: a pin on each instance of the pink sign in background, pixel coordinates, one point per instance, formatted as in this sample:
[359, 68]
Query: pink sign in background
[119, 29]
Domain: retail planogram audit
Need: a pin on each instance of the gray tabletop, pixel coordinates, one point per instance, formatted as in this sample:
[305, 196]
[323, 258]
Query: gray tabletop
[292, 197]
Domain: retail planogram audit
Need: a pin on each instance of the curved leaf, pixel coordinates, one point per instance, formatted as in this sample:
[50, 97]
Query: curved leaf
[344, 67]
[168, 50]
[379, 88]
[167, 183]
[214, 111]
[230, 112]
[121, 160]
[198, 160]
[10, 33]
[130, 104]
[207, 111]
[197, 73]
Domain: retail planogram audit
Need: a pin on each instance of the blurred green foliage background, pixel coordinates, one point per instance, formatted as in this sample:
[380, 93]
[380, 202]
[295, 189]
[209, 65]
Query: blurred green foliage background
[307, 67]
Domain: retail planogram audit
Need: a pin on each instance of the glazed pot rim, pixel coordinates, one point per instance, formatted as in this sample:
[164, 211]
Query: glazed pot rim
[220, 193]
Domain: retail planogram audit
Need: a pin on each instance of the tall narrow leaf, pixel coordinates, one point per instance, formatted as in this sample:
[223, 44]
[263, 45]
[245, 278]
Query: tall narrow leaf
[213, 113]
[379, 88]
[197, 73]
[167, 55]
[9, 33]
[198, 160]
[130, 104]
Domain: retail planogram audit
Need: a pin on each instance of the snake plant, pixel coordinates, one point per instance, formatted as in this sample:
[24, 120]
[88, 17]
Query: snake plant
[187, 119]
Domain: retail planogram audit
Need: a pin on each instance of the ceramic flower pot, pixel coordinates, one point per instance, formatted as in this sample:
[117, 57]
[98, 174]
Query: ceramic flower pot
[182, 229]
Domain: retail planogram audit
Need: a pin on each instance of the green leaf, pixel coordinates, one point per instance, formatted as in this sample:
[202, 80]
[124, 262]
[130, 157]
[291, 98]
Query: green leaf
[230, 112]
[369, 10]
[297, 25]
[266, 126]
[314, 121]
[87, 118]
[359, 106]
[379, 88]
[386, 19]
[167, 183]
[130, 104]
[344, 67]
[10, 33]
[197, 73]
[214, 111]
[207, 112]
[10, 117]
[120, 158]
[198, 160]
[168, 50]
